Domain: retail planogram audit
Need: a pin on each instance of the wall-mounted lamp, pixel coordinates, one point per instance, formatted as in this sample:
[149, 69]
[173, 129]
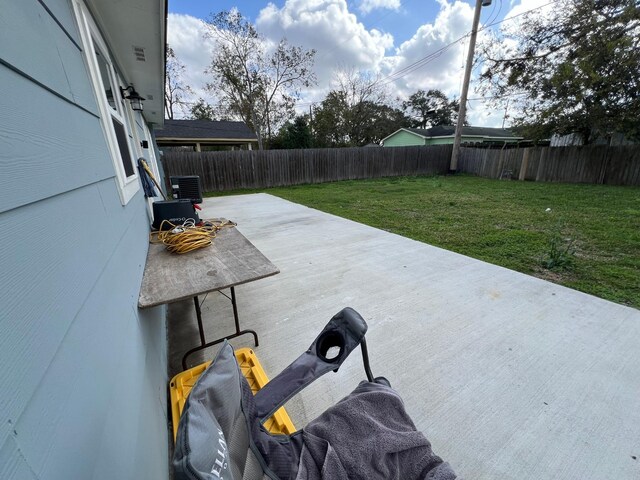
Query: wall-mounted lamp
[134, 97]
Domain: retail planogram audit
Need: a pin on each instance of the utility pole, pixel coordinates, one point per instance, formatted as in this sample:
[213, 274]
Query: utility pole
[504, 119]
[465, 86]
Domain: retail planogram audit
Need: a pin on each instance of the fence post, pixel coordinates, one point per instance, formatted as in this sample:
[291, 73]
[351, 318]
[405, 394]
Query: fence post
[524, 164]
[500, 163]
[604, 167]
[540, 172]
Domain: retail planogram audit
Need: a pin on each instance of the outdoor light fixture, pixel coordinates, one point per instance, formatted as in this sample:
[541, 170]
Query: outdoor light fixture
[134, 97]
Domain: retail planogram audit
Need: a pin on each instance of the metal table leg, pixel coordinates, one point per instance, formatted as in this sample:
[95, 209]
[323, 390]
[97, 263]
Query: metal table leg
[203, 343]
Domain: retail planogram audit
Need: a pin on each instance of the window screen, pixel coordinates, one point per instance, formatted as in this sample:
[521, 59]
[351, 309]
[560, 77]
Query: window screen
[106, 79]
[121, 135]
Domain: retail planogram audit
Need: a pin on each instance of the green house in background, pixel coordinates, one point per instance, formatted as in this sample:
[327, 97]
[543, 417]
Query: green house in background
[443, 135]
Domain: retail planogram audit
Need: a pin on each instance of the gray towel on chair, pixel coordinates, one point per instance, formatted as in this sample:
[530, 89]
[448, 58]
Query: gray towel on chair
[368, 435]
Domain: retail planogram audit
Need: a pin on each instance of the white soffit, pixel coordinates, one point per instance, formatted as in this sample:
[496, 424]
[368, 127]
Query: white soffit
[135, 32]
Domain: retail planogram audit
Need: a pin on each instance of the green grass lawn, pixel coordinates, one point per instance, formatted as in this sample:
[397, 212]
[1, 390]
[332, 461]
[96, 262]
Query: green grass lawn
[591, 234]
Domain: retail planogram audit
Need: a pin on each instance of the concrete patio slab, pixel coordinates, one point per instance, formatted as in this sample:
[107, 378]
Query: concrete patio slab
[509, 376]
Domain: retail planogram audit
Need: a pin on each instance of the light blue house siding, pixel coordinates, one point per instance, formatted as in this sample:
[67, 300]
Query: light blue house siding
[444, 135]
[403, 138]
[83, 371]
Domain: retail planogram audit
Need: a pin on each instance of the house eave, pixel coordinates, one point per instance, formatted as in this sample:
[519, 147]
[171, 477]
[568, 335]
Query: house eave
[479, 136]
[486, 137]
[205, 140]
[137, 24]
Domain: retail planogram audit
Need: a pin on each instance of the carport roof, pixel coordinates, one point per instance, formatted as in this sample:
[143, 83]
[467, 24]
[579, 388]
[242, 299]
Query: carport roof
[205, 130]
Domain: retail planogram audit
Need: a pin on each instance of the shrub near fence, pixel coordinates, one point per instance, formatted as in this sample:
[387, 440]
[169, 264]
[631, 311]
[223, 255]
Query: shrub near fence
[599, 164]
[229, 170]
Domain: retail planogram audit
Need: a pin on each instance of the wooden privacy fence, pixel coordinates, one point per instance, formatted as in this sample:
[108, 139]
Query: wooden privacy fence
[599, 164]
[228, 170]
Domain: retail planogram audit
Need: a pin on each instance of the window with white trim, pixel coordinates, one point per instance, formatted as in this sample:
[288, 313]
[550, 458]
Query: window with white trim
[112, 107]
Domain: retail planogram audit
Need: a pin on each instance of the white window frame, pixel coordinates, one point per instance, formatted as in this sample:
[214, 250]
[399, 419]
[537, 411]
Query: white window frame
[92, 39]
[137, 121]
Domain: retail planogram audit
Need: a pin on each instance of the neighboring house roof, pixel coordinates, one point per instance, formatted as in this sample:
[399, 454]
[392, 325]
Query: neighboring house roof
[450, 130]
[204, 130]
[467, 131]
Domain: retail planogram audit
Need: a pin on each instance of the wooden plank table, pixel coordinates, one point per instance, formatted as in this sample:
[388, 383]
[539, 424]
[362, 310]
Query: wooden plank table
[231, 260]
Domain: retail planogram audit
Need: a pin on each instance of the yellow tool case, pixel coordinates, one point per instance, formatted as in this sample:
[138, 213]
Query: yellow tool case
[181, 385]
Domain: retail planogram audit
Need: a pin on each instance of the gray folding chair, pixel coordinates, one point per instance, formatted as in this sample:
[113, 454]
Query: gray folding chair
[368, 434]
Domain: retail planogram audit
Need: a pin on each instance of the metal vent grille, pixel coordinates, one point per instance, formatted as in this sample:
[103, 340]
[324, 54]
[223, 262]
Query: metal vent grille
[139, 54]
[187, 187]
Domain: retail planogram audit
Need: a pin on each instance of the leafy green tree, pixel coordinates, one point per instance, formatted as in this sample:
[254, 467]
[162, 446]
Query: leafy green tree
[356, 113]
[431, 108]
[381, 120]
[338, 124]
[296, 134]
[257, 86]
[201, 110]
[330, 121]
[576, 70]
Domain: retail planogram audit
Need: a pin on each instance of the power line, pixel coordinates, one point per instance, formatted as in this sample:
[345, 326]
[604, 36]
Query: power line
[493, 16]
[420, 63]
[497, 97]
[432, 56]
[506, 19]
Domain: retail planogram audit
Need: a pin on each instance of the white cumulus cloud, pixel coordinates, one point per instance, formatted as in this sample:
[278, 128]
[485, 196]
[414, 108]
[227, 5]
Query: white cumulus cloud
[185, 35]
[433, 57]
[367, 6]
[327, 26]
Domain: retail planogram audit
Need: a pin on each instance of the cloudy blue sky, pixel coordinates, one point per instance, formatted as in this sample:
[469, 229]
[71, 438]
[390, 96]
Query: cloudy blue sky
[411, 44]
